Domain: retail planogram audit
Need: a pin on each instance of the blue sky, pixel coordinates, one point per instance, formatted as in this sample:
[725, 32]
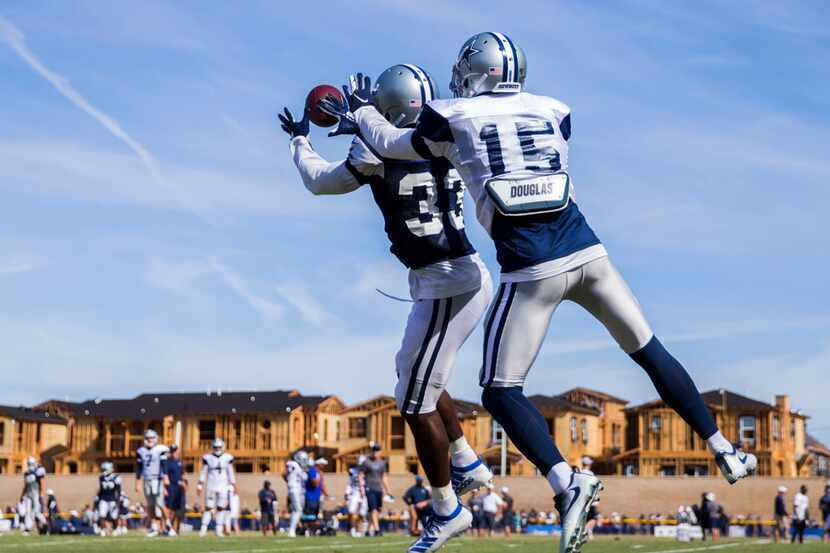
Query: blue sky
[154, 234]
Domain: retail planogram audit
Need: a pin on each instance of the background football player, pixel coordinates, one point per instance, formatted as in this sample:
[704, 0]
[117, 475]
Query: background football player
[421, 205]
[34, 482]
[295, 477]
[109, 494]
[511, 149]
[356, 503]
[151, 468]
[218, 479]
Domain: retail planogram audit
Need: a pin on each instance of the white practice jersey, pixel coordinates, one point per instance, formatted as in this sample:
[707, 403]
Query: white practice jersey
[217, 471]
[516, 136]
[421, 204]
[356, 484]
[151, 462]
[295, 477]
[31, 481]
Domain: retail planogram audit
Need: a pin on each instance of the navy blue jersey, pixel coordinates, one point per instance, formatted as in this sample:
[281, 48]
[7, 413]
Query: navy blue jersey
[266, 501]
[416, 494]
[109, 487]
[421, 203]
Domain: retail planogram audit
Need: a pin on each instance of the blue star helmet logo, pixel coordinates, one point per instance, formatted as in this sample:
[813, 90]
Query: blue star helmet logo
[469, 52]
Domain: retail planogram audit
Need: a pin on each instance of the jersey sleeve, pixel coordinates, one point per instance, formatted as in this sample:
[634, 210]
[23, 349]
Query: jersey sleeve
[139, 464]
[362, 162]
[231, 473]
[40, 472]
[432, 134]
[204, 471]
[320, 176]
[385, 138]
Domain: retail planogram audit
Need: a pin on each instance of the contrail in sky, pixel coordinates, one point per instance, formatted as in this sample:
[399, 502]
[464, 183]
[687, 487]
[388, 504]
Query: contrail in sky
[16, 40]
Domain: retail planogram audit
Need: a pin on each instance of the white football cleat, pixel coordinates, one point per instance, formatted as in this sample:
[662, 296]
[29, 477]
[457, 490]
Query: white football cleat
[472, 477]
[438, 530]
[736, 464]
[573, 505]
[152, 533]
[203, 532]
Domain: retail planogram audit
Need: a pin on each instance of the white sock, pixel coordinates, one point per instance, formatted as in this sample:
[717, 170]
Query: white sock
[295, 520]
[461, 453]
[444, 500]
[559, 477]
[220, 522]
[718, 442]
[206, 516]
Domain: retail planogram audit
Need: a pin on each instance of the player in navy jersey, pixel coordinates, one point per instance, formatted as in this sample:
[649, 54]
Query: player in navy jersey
[511, 149]
[109, 494]
[421, 205]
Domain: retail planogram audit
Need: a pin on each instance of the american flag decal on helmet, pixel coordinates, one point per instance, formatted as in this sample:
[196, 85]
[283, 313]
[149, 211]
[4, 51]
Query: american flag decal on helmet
[415, 103]
[495, 70]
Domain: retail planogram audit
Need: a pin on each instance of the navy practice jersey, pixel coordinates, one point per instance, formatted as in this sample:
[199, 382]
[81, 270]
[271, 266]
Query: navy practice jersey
[109, 487]
[421, 203]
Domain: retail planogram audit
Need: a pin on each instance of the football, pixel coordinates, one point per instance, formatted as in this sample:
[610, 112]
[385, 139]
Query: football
[312, 102]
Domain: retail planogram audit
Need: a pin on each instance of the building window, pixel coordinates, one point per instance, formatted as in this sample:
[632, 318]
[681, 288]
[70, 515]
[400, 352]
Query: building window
[2, 433]
[616, 436]
[207, 430]
[358, 427]
[325, 430]
[397, 439]
[792, 428]
[656, 423]
[583, 429]
[746, 430]
[496, 433]
[337, 431]
[667, 470]
[822, 468]
[574, 435]
[776, 428]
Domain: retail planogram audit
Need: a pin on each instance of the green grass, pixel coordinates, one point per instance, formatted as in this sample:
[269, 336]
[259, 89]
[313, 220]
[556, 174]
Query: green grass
[135, 542]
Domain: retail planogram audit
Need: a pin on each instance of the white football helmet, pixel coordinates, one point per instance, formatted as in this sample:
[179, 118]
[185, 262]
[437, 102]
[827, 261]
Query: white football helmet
[488, 62]
[106, 468]
[218, 446]
[31, 463]
[301, 458]
[151, 438]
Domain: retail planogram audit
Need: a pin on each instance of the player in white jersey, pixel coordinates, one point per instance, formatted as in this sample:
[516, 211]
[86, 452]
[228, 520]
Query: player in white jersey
[511, 148]
[218, 479]
[34, 482]
[357, 505]
[151, 469]
[295, 477]
[421, 204]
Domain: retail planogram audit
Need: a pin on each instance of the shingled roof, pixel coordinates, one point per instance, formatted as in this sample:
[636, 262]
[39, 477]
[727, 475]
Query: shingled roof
[717, 398]
[27, 414]
[559, 403]
[160, 405]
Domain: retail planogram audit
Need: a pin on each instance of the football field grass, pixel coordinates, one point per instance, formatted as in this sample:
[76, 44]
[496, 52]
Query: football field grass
[135, 543]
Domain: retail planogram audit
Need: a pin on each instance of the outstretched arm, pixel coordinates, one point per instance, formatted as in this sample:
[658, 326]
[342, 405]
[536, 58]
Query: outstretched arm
[320, 176]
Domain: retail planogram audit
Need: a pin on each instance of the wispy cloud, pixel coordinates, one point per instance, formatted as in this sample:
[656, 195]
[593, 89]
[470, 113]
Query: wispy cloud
[233, 280]
[14, 267]
[16, 40]
[311, 310]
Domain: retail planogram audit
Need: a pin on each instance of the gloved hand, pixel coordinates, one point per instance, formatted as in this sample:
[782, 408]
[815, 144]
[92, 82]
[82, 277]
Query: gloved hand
[340, 109]
[292, 127]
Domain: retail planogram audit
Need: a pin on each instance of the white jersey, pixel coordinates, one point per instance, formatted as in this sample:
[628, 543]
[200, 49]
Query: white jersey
[217, 471]
[31, 481]
[295, 477]
[427, 234]
[356, 484]
[516, 136]
[151, 462]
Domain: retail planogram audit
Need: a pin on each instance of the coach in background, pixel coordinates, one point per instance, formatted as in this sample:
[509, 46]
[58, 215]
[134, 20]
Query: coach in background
[492, 504]
[377, 486]
[418, 497]
[781, 515]
[176, 498]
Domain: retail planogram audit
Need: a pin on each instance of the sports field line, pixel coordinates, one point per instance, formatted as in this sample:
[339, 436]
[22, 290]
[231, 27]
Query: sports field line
[337, 545]
[708, 547]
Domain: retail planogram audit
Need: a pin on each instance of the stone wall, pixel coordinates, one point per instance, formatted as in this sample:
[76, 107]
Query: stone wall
[630, 496]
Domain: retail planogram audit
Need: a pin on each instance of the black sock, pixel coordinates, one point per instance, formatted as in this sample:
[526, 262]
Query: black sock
[524, 424]
[675, 387]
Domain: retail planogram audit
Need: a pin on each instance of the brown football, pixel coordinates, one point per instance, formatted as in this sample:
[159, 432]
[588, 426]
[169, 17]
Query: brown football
[312, 102]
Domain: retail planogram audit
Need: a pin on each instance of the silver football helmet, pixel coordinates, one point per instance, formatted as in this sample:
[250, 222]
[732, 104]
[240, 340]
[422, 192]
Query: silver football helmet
[218, 446]
[301, 458]
[106, 468]
[488, 62]
[151, 438]
[401, 91]
[31, 463]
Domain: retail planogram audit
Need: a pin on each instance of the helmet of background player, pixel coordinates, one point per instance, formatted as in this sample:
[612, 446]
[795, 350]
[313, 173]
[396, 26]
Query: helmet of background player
[488, 62]
[31, 463]
[151, 438]
[106, 468]
[360, 460]
[218, 446]
[400, 93]
[301, 458]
